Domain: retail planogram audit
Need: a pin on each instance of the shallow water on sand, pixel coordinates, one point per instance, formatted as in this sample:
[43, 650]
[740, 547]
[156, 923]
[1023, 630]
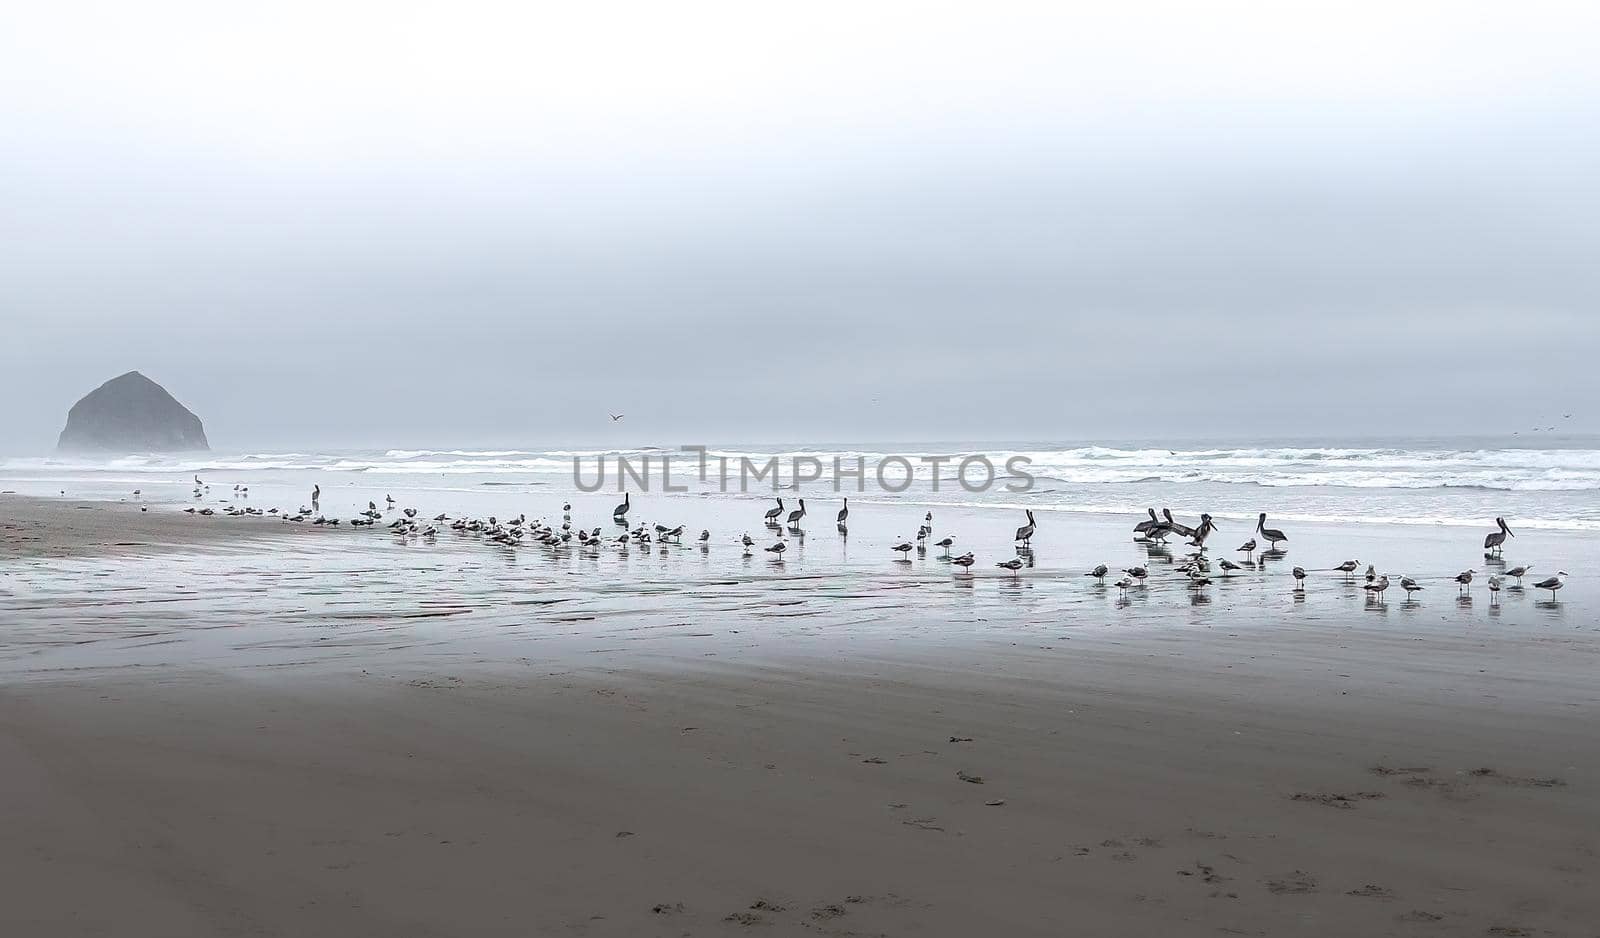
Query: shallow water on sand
[342, 596]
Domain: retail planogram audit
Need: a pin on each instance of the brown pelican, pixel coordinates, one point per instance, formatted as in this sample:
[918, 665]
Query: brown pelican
[797, 514]
[773, 514]
[1143, 527]
[620, 513]
[1182, 530]
[1273, 535]
[1553, 583]
[1025, 533]
[1495, 541]
[844, 513]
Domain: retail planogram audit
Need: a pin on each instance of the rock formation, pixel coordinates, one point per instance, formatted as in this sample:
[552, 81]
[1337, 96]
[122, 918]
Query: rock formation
[131, 414]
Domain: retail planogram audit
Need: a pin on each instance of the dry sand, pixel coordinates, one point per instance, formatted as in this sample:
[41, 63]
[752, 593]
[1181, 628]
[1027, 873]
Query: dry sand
[1280, 779]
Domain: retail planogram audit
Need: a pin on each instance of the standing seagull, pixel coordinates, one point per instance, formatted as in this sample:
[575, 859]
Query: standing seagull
[1519, 573]
[1273, 535]
[1494, 589]
[1464, 578]
[1248, 548]
[1299, 577]
[1099, 572]
[1014, 564]
[1376, 587]
[1348, 568]
[965, 561]
[1495, 541]
[1025, 533]
[1553, 583]
[1410, 586]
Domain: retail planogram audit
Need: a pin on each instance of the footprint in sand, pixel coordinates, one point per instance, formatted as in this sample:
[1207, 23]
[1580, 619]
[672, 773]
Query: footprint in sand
[1335, 800]
[1372, 891]
[1297, 882]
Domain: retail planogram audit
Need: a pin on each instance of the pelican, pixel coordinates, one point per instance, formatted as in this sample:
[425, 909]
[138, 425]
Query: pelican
[797, 514]
[1377, 586]
[776, 550]
[1495, 541]
[1182, 530]
[1410, 585]
[773, 514]
[1273, 535]
[965, 561]
[1553, 583]
[1519, 572]
[844, 513]
[1014, 564]
[1348, 568]
[1099, 572]
[620, 513]
[1248, 547]
[1299, 576]
[1144, 527]
[1025, 533]
[1464, 578]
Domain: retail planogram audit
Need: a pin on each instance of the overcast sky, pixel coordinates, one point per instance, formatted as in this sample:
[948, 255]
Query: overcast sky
[407, 224]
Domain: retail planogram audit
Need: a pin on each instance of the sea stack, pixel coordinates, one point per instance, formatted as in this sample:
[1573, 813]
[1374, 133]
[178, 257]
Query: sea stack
[131, 414]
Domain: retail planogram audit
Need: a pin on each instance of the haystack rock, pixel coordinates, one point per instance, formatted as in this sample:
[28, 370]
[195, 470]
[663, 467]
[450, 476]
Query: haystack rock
[131, 414]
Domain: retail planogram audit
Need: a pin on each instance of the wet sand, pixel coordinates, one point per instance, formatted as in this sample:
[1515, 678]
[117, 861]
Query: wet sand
[722, 764]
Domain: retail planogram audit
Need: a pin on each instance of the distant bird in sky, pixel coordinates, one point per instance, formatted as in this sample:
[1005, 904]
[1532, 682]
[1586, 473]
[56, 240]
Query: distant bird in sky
[615, 417]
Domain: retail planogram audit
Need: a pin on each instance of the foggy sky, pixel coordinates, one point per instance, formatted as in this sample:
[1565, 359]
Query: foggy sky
[337, 224]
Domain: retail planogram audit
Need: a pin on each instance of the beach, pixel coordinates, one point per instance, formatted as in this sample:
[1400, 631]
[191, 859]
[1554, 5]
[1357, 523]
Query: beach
[210, 740]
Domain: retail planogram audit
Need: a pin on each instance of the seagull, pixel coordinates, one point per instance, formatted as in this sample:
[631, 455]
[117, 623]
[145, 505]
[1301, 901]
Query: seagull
[1123, 584]
[615, 417]
[1465, 579]
[1495, 541]
[1494, 589]
[1377, 586]
[705, 535]
[1553, 583]
[1348, 568]
[1519, 572]
[904, 547]
[1372, 573]
[965, 561]
[747, 541]
[1025, 533]
[1273, 535]
[773, 514]
[1229, 566]
[1138, 573]
[1099, 572]
[946, 543]
[1014, 564]
[776, 550]
[1299, 576]
[1410, 585]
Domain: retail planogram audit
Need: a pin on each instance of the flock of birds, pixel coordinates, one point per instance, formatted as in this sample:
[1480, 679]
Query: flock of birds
[1155, 531]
